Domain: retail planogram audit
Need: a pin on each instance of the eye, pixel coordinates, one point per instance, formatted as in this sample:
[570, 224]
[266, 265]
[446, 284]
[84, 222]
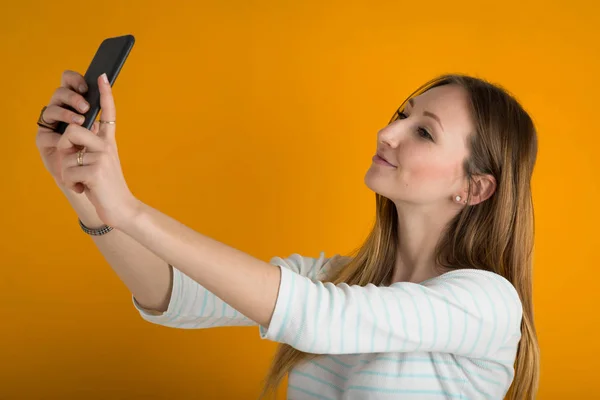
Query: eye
[424, 133]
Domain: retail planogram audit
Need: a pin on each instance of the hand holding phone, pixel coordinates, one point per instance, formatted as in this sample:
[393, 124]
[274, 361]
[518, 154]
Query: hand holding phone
[64, 106]
[110, 58]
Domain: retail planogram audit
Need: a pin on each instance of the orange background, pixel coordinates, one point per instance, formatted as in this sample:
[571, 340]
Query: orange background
[254, 123]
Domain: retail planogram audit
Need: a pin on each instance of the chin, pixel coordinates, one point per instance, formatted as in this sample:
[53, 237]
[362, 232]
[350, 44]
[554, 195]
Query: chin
[378, 183]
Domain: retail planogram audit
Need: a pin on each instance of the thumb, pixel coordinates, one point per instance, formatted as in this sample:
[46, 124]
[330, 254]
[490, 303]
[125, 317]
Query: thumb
[107, 105]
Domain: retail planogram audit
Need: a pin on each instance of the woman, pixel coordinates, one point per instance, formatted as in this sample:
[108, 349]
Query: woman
[437, 303]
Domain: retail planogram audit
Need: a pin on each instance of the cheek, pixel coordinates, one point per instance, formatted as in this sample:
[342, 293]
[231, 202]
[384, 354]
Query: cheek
[431, 170]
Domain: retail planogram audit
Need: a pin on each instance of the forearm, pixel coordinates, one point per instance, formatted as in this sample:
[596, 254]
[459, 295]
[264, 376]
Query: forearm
[148, 277]
[244, 282]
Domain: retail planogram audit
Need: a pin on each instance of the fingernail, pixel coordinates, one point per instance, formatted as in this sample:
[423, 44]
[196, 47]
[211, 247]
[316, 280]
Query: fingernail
[78, 119]
[82, 89]
[104, 78]
[83, 106]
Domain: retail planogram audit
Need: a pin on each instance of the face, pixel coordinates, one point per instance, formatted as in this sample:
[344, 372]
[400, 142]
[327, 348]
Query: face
[427, 146]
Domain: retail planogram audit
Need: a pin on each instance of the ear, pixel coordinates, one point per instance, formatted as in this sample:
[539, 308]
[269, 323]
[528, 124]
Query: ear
[482, 188]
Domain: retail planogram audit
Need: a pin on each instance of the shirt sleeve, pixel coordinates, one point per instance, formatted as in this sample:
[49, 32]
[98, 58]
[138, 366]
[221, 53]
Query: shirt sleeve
[193, 307]
[464, 312]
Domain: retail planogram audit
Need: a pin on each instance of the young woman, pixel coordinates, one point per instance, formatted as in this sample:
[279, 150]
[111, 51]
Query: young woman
[437, 302]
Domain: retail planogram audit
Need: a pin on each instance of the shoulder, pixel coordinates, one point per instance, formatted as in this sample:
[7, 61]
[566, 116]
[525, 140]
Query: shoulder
[314, 268]
[486, 290]
[479, 278]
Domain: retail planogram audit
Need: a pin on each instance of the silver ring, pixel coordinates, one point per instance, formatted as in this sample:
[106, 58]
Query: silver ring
[108, 122]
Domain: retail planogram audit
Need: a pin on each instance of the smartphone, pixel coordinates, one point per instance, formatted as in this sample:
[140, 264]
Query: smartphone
[109, 59]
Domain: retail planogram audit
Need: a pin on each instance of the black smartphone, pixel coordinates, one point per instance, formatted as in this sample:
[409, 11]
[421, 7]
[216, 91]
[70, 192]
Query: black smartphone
[109, 59]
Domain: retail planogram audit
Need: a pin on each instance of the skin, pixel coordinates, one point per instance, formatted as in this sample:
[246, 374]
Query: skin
[428, 173]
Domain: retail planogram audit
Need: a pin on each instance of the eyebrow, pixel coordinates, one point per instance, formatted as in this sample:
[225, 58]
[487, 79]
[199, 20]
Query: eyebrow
[427, 113]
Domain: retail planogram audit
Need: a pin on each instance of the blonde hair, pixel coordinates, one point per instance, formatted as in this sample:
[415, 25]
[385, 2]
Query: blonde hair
[495, 235]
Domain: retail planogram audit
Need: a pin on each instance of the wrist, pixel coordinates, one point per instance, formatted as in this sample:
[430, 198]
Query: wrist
[133, 212]
[85, 210]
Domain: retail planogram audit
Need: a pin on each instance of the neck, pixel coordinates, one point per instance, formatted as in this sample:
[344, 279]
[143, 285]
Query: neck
[419, 231]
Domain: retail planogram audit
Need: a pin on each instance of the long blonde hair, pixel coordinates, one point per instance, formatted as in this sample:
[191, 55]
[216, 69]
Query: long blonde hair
[496, 235]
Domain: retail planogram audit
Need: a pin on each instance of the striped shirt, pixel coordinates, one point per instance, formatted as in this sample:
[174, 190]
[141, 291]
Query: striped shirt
[454, 336]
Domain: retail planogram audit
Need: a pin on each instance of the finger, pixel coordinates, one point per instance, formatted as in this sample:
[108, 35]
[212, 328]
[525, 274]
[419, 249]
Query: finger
[73, 176]
[55, 113]
[71, 160]
[79, 187]
[107, 105]
[73, 80]
[96, 127]
[46, 140]
[76, 135]
[65, 96]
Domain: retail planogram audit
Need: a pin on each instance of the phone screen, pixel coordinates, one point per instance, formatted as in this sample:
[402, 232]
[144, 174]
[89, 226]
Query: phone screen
[109, 59]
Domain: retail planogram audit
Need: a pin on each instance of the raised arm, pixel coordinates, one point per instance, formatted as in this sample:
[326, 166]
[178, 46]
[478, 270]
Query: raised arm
[145, 275]
[465, 312]
[192, 306]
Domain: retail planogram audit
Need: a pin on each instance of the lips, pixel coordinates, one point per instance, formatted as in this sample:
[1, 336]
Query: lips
[380, 154]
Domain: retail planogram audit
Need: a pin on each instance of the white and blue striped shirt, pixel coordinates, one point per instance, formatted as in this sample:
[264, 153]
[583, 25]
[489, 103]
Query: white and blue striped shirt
[451, 337]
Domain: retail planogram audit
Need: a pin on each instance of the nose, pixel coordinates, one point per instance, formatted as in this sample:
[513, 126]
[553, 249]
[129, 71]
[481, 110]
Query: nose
[391, 135]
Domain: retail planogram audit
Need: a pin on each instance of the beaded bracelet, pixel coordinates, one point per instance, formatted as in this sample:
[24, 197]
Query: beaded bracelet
[103, 230]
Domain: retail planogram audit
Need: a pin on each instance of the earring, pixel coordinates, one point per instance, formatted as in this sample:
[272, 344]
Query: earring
[457, 198]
